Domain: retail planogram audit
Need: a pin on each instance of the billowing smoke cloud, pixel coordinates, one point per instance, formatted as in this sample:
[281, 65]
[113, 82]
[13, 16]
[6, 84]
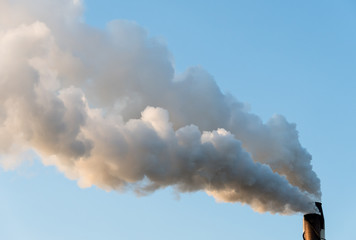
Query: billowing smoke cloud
[107, 109]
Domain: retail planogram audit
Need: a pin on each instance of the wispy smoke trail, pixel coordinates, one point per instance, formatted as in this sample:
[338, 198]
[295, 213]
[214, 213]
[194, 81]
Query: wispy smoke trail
[106, 108]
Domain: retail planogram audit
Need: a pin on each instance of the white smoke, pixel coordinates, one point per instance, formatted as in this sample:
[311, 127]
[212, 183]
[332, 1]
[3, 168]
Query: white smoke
[107, 109]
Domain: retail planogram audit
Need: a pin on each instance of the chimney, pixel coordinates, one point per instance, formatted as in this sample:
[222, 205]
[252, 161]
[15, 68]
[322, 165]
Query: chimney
[313, 225]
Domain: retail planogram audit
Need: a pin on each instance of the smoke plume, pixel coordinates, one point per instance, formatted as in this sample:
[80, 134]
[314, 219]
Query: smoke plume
[107, 109]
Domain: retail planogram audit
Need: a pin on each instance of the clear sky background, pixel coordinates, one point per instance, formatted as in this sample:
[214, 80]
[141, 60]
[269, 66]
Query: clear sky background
[295, 58]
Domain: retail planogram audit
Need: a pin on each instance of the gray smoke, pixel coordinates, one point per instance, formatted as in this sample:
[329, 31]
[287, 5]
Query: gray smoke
[107, 109]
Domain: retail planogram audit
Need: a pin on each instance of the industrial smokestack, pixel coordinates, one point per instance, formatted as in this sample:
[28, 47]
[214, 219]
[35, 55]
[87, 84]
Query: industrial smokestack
[314, 225]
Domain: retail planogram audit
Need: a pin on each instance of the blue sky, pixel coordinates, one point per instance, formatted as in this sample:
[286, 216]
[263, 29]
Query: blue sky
[295, 59]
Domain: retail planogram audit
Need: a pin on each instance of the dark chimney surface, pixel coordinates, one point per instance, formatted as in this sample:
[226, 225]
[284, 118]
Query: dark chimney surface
[313, 224]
